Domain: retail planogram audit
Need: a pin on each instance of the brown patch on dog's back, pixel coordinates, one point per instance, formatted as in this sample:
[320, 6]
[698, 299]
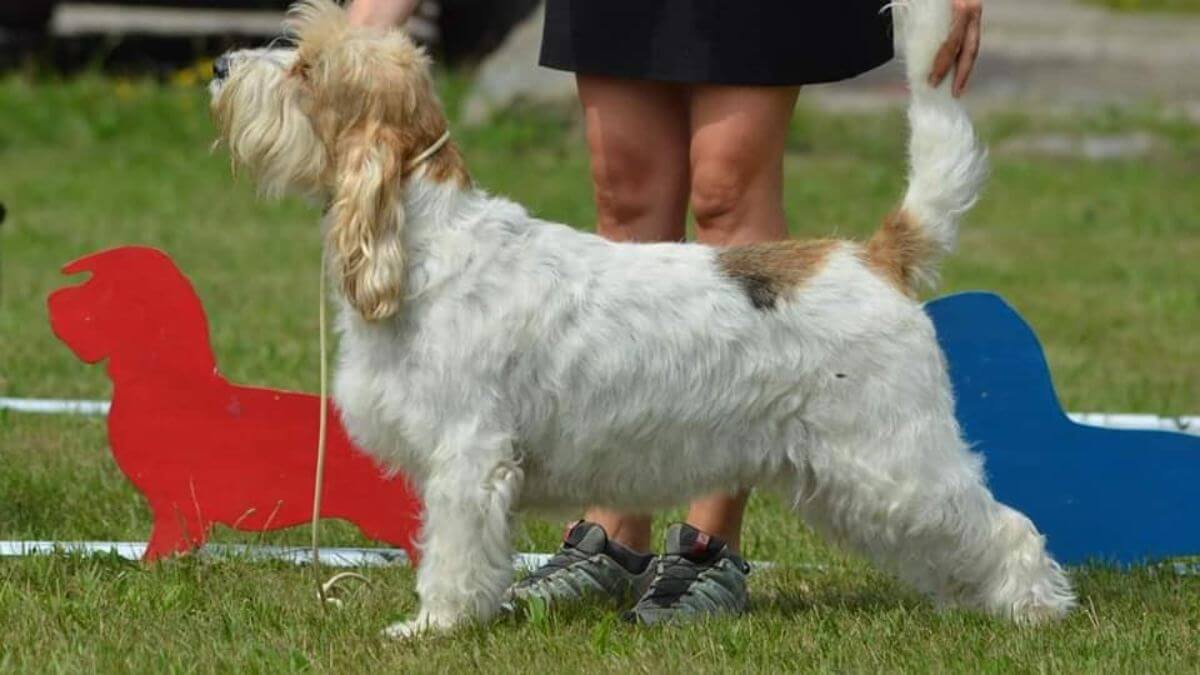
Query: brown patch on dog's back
[897, 248]
[766, 271]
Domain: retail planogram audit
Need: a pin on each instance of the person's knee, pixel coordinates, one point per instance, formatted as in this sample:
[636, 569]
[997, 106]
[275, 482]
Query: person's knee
[623, 202]
[718, 194]
[635, 194]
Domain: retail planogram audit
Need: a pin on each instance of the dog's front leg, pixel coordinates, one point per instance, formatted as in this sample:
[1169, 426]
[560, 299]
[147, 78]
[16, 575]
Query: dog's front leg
[466, 561]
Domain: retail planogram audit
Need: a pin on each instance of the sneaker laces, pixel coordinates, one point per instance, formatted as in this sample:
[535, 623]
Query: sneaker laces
[674, 580]
[678, 573]
[566, 556]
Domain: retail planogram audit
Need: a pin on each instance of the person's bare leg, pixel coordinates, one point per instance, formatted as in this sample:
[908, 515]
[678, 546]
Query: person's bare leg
[721, 516]
[738, 138]
[638, 136]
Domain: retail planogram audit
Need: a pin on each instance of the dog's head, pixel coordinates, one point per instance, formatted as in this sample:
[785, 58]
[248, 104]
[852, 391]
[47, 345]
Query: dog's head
[136, 306]
[341, 114]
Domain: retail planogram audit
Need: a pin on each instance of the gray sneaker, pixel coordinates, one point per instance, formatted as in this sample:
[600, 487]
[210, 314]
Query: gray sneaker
[587, 567]
[697, 577]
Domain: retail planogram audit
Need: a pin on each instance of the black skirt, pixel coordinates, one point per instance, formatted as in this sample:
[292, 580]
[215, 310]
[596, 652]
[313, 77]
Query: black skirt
[735, 42]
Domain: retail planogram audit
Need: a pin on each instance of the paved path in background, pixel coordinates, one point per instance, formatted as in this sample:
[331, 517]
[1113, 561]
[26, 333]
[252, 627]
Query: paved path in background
[1061, 53]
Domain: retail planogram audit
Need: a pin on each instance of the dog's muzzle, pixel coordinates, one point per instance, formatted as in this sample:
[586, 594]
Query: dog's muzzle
[220, 68]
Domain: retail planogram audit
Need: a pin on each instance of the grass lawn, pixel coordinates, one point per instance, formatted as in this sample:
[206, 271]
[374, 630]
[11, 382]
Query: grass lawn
[1101, 257]
[1150, 5]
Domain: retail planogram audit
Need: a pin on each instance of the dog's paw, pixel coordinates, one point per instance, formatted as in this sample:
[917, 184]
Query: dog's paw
[422, 626]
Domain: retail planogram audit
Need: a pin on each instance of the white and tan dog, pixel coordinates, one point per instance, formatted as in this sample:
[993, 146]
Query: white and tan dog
[508, 363]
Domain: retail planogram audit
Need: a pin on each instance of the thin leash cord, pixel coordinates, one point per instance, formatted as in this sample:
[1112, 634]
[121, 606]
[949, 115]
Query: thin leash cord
[325, 588]
[322, 427]
[430, 151]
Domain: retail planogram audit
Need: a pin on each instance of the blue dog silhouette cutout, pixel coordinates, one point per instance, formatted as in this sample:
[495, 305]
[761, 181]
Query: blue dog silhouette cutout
[1099, 495]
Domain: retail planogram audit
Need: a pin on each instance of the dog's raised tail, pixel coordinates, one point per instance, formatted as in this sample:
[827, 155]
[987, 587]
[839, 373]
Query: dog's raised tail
[947, 166]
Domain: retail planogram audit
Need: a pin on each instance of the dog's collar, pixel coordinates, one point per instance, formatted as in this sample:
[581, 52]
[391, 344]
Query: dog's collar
[417, 161]
[430, 151]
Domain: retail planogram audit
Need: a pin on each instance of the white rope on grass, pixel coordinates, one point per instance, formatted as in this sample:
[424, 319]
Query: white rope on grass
[54, 406]
[336, 557]
[1188, 424]
[1184, 424]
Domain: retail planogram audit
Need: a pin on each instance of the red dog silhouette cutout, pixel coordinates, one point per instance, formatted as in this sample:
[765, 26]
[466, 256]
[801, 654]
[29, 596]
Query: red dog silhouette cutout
[203, 450]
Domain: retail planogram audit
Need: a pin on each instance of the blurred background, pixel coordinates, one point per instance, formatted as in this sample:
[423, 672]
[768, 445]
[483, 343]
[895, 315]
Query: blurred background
[1090, 226]
[155, 35]
[1083, 51]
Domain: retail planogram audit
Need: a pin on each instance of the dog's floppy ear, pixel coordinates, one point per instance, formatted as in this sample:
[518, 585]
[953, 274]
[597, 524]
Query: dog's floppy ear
[367, 221]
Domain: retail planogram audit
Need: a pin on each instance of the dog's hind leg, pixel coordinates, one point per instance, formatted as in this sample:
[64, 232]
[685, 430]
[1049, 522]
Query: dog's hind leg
[467, 556]
[909, 495]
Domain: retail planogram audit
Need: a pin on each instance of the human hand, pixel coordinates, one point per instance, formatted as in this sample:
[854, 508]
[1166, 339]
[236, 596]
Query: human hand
[380, 13]
[961, 48]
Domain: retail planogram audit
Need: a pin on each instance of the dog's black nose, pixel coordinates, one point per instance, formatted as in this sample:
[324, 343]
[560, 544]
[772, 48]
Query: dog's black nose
[221, 67]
